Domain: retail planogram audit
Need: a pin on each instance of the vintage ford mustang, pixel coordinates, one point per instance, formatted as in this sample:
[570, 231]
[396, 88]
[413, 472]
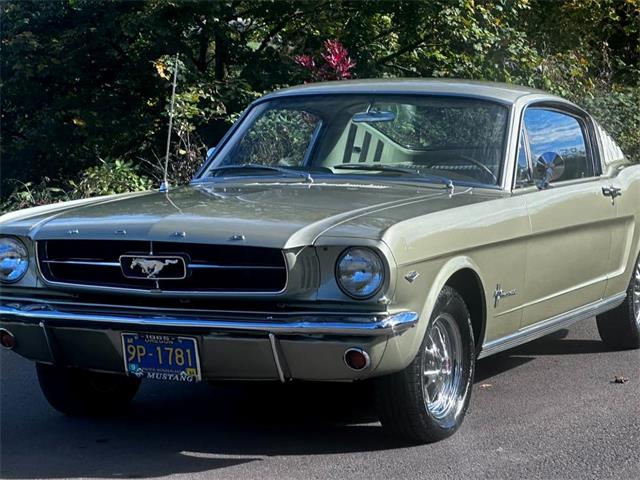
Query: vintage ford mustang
[387, 230]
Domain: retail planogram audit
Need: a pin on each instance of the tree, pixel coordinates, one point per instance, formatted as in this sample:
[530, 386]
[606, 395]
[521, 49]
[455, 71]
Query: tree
[85, 80]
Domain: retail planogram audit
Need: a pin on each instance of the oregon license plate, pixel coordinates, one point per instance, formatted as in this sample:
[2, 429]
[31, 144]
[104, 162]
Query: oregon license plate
[161, 357]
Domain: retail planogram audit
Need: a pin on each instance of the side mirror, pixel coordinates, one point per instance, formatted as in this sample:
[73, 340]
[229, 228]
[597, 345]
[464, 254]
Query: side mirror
[549, 167]
[210, 153]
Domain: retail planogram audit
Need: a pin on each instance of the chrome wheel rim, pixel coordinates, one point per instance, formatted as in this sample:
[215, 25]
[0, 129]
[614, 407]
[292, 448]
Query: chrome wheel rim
[636, 293]
[442, 369]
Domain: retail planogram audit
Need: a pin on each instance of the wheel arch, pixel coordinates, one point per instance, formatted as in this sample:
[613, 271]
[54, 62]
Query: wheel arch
[462, 274]
[468, 284]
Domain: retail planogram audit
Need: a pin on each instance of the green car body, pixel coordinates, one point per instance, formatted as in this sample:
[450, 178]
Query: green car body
[527, 260]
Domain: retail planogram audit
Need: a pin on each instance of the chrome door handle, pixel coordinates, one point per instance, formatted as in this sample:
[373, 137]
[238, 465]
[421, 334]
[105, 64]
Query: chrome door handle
[612, 192]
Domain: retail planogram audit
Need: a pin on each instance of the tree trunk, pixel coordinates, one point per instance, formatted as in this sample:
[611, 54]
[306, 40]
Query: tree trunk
[221, 53]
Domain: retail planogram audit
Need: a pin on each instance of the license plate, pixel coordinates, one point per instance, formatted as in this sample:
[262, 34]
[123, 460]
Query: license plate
[161, 357]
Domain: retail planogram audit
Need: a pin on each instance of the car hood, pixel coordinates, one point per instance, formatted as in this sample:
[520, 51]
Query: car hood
[280, 214]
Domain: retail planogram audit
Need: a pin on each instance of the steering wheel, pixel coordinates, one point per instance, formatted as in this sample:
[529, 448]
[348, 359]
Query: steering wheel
[474, 162]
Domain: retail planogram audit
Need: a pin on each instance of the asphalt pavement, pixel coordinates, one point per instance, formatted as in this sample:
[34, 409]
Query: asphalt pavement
[547, 410]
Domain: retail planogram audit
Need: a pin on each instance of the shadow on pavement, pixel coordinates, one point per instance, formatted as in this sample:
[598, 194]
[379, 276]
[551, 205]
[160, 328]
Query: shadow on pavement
[553, 344]
[196, 428]
[187, 429]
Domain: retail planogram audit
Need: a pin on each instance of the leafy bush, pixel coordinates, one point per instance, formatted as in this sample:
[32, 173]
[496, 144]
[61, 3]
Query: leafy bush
[618, 112]
[84, 77]
[108, 178]
[336, 63]
[31, 194]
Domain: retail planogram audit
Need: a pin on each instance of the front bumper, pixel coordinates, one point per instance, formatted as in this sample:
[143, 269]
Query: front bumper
[232, 345]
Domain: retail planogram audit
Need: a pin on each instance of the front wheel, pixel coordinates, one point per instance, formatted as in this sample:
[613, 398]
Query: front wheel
[81, 392]
[620, 328]
[427, 401]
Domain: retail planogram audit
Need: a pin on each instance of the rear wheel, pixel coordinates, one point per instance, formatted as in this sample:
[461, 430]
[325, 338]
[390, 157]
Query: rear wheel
[81, 392]
[620, 328]
[427, 401]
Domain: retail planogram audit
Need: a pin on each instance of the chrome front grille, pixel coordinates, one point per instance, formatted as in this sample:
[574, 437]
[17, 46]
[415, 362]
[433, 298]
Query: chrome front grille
[210, 268]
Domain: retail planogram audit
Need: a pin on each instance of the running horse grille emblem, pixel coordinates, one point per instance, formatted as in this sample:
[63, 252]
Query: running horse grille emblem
[153, 267]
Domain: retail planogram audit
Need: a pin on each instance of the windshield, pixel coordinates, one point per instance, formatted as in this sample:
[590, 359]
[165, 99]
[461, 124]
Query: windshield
[449, 139]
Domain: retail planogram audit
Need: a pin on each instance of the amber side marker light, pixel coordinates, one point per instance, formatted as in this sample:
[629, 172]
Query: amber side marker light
[356, 359]
[7, 340]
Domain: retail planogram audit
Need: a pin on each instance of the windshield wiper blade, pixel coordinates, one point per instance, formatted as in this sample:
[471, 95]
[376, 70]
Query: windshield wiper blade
[373, 167]
[268, 168]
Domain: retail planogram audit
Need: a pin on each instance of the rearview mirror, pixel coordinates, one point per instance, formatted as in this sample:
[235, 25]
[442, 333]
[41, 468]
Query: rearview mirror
[210, 153]
[373, 116]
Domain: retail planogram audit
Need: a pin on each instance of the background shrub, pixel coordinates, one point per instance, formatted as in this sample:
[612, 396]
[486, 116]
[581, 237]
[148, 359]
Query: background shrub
[85, 79]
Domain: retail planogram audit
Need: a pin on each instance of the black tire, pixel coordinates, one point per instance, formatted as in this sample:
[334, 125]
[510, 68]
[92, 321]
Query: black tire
[620, 328]
[403, 406]
[80, 392]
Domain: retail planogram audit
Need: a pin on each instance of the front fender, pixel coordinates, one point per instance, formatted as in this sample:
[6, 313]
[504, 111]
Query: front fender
[402, 349]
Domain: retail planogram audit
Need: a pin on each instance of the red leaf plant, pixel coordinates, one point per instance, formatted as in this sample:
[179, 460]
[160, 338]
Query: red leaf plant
[335, 63]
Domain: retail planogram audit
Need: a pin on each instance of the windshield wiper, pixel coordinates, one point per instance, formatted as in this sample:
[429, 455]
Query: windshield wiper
[268, 168]
[374, 167]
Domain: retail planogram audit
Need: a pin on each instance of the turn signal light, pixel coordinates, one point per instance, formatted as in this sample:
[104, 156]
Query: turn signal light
[356, 359]
[7, 340]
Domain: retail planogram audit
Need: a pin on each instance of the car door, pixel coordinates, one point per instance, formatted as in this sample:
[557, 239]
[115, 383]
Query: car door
[568, 257]
[624, 180]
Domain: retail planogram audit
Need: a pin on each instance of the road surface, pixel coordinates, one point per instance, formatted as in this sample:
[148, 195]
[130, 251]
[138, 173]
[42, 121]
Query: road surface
[547, 410]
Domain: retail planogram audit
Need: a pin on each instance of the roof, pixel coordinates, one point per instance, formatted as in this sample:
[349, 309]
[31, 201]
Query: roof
[503, 92]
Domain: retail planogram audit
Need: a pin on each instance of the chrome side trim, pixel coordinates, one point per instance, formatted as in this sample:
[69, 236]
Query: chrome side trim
[551, 325]
[233, 267]
[276, 356]
[83, 262]
[363, 325]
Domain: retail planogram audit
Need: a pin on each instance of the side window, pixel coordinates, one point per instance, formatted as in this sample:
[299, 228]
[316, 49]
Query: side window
[279, 137]
[558, 146]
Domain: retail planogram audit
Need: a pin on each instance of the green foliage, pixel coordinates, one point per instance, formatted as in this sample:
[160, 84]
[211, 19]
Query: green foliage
[619, 112]
[31, 194]
[85, 79]
[109, 178]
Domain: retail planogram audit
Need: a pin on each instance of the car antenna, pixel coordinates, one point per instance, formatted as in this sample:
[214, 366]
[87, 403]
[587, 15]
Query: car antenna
[164, 186]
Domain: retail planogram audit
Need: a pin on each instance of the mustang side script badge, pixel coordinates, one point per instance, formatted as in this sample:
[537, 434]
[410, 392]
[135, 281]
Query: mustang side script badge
[153, 267]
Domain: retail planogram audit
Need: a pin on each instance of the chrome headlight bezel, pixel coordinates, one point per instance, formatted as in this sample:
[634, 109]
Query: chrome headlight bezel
[376, 272]
[12, 245]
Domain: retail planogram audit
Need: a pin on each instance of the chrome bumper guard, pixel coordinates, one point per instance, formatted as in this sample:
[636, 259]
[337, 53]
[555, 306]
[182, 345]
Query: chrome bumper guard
[307, 323]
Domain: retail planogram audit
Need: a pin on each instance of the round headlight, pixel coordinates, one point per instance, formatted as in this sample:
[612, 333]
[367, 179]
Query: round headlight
[360, 272]
[14, 260]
